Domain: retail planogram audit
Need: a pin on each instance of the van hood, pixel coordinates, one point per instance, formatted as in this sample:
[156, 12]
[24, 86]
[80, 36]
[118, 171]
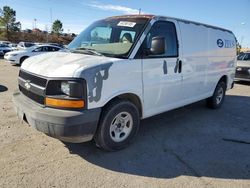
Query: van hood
[62, 64]
[243, 63]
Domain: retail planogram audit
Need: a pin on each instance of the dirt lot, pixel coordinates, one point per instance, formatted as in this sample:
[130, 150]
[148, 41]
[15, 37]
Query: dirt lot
[189, 147]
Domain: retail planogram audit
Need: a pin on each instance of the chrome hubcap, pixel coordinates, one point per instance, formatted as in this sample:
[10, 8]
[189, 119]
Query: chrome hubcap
[121, 127]
[219, 96]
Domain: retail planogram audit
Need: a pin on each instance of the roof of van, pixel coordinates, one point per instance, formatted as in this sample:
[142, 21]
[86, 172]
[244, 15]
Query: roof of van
[150, 16]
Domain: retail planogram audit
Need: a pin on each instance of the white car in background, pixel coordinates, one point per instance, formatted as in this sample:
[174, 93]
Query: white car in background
[243, 67]
[17, 57]
[5, 42]
[24, 45]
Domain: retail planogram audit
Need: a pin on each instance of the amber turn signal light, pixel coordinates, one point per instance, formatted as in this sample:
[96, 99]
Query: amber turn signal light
[62, 103]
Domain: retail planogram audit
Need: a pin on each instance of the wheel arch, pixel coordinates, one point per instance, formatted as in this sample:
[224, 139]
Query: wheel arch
[135, 99]
[22, 57]
[224, 78]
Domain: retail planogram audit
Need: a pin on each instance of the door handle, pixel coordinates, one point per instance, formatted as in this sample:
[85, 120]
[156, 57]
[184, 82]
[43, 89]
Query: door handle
[180, 66]
[165, 67]
[176, 68]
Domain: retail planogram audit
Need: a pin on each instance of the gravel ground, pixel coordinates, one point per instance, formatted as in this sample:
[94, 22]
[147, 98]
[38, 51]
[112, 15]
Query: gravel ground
[189, 147]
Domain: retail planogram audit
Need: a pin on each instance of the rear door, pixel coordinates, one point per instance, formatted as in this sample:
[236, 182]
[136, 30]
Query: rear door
[195, 60]
[53, 49]
[162, 74]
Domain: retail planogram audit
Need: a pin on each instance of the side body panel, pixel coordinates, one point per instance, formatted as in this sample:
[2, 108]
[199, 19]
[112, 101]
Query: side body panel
[205, 60]
[194, 42]
[109, 80]
[222, 57]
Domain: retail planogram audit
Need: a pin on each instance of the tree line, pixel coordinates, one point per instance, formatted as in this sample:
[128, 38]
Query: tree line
[9, 24]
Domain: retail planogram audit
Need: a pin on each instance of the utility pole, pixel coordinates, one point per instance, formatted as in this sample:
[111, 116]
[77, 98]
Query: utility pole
[47, 33]
[35, 23]
[50, 10]
[139, 11]
[242, 37]
[51, 19]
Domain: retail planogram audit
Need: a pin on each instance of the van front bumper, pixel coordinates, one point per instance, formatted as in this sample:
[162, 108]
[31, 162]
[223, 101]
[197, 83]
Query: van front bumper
[242, 74]
[66, 125]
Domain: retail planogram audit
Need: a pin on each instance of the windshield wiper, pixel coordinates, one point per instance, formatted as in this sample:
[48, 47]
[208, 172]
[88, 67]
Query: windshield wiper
[89, 51]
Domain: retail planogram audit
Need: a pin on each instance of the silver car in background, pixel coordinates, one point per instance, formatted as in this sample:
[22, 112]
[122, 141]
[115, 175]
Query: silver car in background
[243, 67]
[4, 48]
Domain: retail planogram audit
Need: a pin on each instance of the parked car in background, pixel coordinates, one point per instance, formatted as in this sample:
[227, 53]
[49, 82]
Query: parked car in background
[243, 67]
[39, 43]
[17, 57]
[24, 45]
[56, 44]
[5, 42]
[13, 46]
[4, 48]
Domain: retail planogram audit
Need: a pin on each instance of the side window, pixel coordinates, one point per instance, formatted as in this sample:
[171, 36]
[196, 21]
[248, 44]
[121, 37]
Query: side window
[167, 30]
[38, 49]
[101, 35]
[127, 36]
[45, 49]
[54, 49]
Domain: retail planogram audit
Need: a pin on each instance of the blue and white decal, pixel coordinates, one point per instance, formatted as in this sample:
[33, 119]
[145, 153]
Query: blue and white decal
[220, 43]
[225, 43]
[229, 44]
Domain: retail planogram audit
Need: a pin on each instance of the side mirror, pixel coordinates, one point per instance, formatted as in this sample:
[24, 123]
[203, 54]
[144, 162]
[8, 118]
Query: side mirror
[158, 46]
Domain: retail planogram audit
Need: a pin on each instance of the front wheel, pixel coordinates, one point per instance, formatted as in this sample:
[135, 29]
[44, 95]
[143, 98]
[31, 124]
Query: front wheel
[22, 60]
[118, 126]
[217, 99]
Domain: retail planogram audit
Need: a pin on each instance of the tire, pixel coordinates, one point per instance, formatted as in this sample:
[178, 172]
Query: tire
[22, 59]
[118, 126]
[218, 97]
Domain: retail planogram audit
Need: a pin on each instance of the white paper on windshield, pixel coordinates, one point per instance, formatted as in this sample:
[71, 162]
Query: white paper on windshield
[126, 24]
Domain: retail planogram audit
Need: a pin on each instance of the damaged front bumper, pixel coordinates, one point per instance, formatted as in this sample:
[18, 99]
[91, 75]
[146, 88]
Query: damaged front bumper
[66, 125]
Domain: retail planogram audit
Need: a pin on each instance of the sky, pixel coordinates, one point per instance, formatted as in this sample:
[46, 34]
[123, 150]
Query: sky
[78, 14]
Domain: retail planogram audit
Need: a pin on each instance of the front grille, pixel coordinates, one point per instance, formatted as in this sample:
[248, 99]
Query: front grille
[32, 78]
[36, 89]
[242, 73]
[39, 99]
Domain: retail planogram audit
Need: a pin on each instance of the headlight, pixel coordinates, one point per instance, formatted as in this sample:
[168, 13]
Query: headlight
[12, 54]
[66, 93]
[65, 88]
[72, 88]
[239, 69]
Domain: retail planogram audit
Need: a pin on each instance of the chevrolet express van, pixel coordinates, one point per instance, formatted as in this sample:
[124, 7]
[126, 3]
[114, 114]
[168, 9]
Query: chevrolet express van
[121, 70]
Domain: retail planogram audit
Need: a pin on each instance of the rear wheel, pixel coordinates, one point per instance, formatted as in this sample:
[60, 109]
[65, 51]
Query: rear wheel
[22, 59]
[118, 126]
[217, 99]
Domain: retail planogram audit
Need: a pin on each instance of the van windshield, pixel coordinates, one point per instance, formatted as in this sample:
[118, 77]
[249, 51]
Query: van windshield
[243, 57]
[113, 37]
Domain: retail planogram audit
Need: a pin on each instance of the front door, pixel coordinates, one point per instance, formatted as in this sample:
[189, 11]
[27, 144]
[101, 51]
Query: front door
[162, 74]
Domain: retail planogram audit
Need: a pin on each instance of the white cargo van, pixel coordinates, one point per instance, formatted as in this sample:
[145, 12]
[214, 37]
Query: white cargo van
[121, 70]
